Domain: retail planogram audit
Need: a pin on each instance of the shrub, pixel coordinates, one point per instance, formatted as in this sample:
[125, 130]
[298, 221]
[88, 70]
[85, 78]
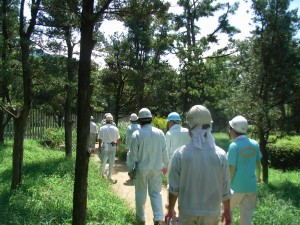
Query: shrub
[122, 130]
[54, 137]
[160, 123]
[285, 153]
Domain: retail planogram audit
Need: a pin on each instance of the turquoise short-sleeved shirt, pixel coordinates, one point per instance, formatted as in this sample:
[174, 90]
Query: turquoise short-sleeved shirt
[243, 153]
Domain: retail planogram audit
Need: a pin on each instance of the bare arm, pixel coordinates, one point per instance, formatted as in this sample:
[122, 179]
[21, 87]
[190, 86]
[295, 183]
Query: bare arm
[232, 172]
[172, 202]
[100, 143]
[226, 215]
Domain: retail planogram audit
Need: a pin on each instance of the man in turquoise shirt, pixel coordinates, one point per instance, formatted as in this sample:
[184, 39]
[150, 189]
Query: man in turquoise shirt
[244, 164]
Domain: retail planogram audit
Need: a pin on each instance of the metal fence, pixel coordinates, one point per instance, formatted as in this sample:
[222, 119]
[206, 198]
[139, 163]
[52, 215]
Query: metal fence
[39, 122]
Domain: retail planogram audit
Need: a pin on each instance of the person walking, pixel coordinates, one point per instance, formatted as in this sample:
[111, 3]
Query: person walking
[103, 122]
[93, 135]
[245, 168]
[199, 175]
[130, 129]
[148, 150]
[176, 137]
[109, 143]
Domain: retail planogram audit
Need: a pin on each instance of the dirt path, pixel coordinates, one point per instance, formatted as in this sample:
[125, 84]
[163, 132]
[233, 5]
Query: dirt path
[125, 188]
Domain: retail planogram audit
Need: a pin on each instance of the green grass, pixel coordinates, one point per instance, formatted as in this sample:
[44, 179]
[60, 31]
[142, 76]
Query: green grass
[222, 140]
[46, 194]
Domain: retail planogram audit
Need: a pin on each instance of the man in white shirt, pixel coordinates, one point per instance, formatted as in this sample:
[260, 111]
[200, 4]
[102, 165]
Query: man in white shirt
[93, 135]
[176, 137]
[130, 129]
[199, 175]
[109, 143]
[148, 149]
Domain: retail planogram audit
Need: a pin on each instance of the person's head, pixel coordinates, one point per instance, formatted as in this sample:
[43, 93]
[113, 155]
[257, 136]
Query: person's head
[109, 118]
[199, 116]
[145, 116]
[173, 118]
[238, 126]
[91, 118]
[200, 122]
[133, 118]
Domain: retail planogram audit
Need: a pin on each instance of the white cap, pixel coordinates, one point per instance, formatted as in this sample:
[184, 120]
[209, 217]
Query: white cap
[109, 117]
[91, 118]
[145, 113]
[198, 115]
[239, 124]
[133, 117]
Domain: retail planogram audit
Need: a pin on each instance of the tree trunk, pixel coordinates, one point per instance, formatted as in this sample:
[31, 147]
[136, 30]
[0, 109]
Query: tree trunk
[21, 120]
[22, 117]
[68, 128]
[2, 127]
[87, 43]
[265, 156]
[83, 115]
[69, 90]
[3, 90]
[18, 149]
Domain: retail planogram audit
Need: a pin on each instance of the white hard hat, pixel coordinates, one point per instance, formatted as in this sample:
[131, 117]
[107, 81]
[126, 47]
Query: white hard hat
[133, 117]
[198, 115]
[109, 117]
[145, 113]
[239, 124]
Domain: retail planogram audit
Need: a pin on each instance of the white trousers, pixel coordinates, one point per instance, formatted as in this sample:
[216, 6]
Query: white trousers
[109, 155]
[92, 141]
[246, 203]
[151, 181]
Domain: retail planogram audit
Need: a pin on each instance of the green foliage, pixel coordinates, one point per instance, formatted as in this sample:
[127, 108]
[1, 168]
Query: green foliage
[222, 140]
[46, 194]
[160, 122]
[54, 137]
[285, 153]
[122, 130]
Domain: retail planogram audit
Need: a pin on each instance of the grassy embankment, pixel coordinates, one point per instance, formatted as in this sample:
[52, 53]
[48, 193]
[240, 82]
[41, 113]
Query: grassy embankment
[46, 194]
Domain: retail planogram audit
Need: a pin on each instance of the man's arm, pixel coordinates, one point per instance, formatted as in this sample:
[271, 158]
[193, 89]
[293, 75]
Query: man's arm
[100, 143]
[172, 202]
[232, 172]
[226, 215]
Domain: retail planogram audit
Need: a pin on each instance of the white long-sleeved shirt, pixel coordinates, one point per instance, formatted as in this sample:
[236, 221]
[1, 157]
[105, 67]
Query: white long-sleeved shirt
[148, 148]
[130, 129]
[200, 178]
[93, 128]
[176, 137]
